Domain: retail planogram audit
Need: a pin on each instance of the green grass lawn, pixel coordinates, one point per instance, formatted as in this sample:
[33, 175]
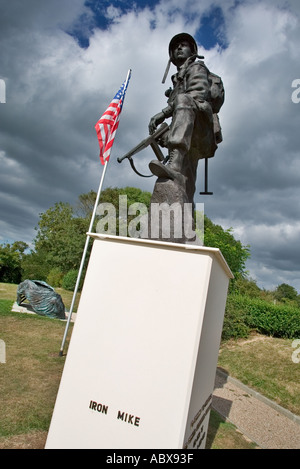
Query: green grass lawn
[265, 364]
[30, 378]
[29, 382]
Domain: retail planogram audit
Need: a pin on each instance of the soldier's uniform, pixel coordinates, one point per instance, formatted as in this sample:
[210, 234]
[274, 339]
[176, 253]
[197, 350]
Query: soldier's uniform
[193, 104]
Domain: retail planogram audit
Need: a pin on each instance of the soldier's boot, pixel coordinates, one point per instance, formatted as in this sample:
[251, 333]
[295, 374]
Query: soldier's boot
[173, 168]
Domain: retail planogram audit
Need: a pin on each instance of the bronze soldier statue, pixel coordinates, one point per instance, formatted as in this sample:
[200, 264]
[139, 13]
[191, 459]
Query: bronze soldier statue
[194, 133]
[193, 104]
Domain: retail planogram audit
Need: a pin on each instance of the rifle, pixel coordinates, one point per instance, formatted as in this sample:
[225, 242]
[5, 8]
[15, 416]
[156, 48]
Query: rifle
[152, 141]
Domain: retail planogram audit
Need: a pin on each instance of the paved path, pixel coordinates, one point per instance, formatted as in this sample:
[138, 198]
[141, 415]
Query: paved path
[259, 419]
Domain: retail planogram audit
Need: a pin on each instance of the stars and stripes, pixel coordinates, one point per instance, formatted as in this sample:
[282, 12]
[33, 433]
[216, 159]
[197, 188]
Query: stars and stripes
[107, 125]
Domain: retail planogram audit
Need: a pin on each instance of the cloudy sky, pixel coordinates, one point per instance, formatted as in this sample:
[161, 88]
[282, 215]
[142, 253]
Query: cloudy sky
[62, 62]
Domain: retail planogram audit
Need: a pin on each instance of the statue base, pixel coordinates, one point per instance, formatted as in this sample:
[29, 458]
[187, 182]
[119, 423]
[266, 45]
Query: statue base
[171, 214]
[142, 359]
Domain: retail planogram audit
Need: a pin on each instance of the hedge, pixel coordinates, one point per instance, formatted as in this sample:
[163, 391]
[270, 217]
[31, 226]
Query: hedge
[244, 314]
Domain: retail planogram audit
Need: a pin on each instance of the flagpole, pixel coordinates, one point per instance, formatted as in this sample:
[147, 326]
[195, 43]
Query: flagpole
[82, 260]
[86, 244]
[127, 78]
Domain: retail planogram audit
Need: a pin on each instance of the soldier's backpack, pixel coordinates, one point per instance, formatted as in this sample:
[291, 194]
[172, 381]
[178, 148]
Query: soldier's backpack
[217, 95]
[216, 91]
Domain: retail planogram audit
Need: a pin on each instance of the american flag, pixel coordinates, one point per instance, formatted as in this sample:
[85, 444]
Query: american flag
[107, 125]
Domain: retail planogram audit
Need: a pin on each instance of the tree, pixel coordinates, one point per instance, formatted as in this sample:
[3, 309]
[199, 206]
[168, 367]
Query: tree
[247, 286]
[62, 229]
[85, 205]
[133, 196]
[233, 251]
[11, 257]
[61, 237]
[34, 266]
[285, 292]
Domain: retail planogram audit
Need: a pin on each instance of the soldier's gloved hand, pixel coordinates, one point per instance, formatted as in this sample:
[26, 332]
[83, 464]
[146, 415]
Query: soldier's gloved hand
[155, 121]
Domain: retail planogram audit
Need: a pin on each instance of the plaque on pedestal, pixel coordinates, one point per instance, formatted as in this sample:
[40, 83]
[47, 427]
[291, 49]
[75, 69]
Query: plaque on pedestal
[142, 359]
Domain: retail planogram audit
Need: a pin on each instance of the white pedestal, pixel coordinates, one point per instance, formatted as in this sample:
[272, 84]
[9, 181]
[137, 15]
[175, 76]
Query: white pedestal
[141, 364]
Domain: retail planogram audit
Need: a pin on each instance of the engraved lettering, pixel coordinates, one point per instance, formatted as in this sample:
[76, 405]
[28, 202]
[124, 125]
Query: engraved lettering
[101, 408]
[129, 418]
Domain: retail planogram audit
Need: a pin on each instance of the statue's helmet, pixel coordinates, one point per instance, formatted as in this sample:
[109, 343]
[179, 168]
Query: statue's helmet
[179, 38]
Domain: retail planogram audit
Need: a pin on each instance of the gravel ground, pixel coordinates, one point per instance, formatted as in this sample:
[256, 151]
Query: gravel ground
[259, 419]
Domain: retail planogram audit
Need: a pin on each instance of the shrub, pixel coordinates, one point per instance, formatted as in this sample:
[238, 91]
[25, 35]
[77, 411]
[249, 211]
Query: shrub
[55, 277]
[69, 280]
[235, 323]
